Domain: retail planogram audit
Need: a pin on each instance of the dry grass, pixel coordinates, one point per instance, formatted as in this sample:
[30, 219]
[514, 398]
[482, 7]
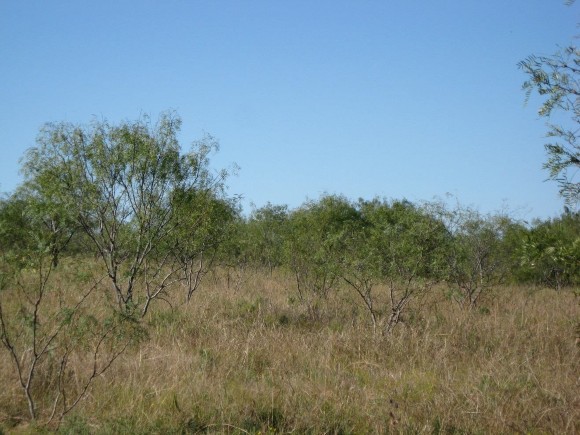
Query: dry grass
[249, 360]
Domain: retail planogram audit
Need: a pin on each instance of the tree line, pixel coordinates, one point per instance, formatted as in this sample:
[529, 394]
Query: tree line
[156, 217]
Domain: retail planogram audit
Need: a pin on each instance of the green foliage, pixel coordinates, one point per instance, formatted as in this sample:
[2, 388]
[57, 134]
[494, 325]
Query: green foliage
[319, 233]
[152, 215]
[477, 258]
[393, 244]
[257, 241]
[399, 247]
[203, 222]
[267, 231]
[143, 205]
[14, 226]
[30, 228]
[550, 252]
[405, 241]
[556, 79]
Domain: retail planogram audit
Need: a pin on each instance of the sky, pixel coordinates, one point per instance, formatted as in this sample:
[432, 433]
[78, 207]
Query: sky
[396, 99]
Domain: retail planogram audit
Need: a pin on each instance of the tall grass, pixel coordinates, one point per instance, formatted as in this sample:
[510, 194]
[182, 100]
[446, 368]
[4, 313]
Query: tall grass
[249, 359]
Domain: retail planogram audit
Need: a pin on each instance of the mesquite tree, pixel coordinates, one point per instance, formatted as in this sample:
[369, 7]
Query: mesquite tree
[556, 79]
[478, 259]
[318, 235]
[44, 326]
[399, 249]
[267, 228]
[550, 252]
[140, 201]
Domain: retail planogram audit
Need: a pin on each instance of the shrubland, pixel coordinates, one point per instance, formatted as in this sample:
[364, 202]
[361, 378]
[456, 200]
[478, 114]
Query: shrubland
[136, 298]
[251, 359]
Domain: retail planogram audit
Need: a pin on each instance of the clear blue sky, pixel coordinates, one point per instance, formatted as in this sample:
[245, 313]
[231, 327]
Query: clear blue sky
[392, 98]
